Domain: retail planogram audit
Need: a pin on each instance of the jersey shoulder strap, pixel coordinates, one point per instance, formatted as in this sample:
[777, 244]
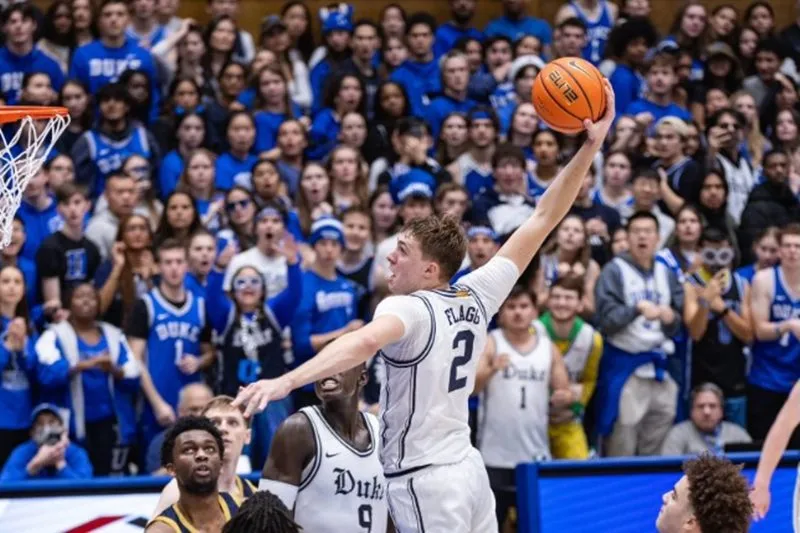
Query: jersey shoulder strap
[310, 471]
[228, 505]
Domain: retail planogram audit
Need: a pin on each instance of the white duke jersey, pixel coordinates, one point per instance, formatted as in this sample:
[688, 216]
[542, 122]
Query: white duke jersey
[514, 406]
[430, 371]
[342, 489]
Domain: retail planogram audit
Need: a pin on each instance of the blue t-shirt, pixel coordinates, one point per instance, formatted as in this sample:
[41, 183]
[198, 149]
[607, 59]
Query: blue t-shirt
[658, 111]
[517, 29]
[628, 87]
[13, 69]
[234, 171]
[448, 34]
[99, 403]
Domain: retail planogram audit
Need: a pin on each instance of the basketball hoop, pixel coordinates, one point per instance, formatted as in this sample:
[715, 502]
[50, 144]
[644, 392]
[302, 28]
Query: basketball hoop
[23, 150]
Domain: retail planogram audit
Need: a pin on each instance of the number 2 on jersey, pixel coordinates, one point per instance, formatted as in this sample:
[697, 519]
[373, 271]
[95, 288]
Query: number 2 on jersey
[468, 339]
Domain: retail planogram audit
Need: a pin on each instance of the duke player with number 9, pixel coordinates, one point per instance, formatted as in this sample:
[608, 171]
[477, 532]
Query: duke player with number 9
[431, 336]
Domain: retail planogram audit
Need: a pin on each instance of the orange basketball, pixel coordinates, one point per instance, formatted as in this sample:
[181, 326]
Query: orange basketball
[567, 91]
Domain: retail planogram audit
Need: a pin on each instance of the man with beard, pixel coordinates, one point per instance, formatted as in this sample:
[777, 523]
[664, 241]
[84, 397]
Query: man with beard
[193, 451]
[323, 462]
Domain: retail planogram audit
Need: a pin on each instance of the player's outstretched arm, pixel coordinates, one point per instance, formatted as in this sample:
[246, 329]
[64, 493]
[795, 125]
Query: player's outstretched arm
[556, 202]
[777, 439]
[342, 354]
[292, 449]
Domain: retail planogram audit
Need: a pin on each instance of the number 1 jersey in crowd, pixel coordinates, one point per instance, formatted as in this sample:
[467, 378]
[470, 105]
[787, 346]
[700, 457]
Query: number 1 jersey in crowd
[430, 371]
[174, 333]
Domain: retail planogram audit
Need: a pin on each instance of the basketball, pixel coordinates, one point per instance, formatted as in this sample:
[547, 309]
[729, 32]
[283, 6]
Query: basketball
[567, 91]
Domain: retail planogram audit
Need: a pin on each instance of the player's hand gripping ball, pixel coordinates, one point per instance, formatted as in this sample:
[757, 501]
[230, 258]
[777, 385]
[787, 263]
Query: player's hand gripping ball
[568, 91]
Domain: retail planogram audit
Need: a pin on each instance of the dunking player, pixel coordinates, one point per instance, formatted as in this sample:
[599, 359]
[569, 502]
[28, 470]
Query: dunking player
[235, 435]
[193, 452]
[711, 497]
[431, 336]
[323, 461]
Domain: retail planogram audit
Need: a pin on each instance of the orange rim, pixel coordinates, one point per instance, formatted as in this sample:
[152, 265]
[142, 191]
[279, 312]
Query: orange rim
[15, 113]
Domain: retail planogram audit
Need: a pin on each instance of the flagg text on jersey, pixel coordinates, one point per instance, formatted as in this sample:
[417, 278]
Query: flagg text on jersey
[464, 313]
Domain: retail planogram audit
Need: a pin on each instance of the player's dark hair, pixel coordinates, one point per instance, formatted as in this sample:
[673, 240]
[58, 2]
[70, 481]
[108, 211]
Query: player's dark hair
[69, 189]
[441, 240]
[719, 494]
[184, 424]
[641, 215]
[573, 22]
[421, 18]
[263, 512]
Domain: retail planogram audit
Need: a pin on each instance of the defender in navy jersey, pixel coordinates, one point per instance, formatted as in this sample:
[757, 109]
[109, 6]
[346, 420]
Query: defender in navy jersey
[775, 307]
[193, 451]
[169, 334]
[430, 336]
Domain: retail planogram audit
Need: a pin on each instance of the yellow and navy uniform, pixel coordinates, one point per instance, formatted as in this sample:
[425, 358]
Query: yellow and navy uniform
[244, 488]
[581, 351]
[174, 518]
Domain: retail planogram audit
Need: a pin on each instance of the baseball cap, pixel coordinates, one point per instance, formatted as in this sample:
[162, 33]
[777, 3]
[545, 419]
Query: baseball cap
[721, 49]
[46, 408]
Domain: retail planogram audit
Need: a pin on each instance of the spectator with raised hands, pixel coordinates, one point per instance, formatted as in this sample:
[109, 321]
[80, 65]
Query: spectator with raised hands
[89, 367]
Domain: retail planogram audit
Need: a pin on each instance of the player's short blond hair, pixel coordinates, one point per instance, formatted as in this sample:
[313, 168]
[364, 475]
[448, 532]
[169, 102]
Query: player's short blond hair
[442, 240]
[223, 402]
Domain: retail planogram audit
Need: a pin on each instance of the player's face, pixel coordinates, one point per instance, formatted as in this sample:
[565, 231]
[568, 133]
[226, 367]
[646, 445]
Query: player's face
[202, 251]
[675, 511]
[12, 285]
[172, 264]
[248, 288]
[235, 433]
[480, 248]
[517, 313]
[84, 302]
[706, 412]
[407, 267]
[563, 304]
[196, 462]
[356, 231]
[113, 20]
[342, 385]
[790, 251]
[19, 29]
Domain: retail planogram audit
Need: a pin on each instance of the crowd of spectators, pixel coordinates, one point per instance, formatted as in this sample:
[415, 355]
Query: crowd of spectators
[223, 205]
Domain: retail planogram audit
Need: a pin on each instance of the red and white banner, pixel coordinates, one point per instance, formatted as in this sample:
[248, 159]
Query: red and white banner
[124, 513]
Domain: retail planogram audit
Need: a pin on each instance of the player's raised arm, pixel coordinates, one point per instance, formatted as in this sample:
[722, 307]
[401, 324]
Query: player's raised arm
[775, 444]
[342, 354]
[523, 244]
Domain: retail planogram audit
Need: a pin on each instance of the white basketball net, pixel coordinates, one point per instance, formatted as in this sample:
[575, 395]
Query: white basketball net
[21, 157]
